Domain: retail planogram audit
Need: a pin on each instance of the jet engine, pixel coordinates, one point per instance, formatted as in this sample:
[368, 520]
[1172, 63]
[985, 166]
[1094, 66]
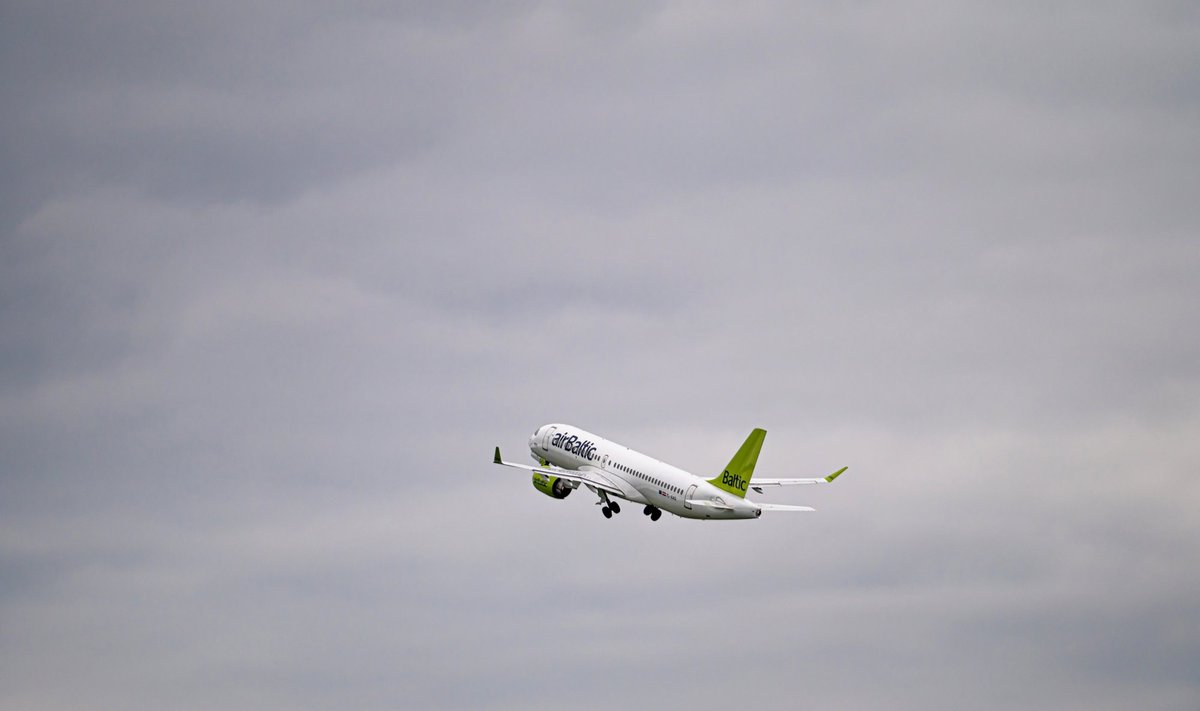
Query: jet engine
[552, 485]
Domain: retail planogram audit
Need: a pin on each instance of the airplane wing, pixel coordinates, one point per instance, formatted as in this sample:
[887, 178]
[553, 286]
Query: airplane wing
[757, 483]
[587, 475]
[782, 507]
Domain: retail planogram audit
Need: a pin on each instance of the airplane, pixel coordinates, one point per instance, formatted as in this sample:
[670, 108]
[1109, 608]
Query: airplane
[569, 457]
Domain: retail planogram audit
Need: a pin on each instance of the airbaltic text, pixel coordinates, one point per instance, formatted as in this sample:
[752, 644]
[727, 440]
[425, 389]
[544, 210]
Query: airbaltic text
[733, 480]
[574, 445]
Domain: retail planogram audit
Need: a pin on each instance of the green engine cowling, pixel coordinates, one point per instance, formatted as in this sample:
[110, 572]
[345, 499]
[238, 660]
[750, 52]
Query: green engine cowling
[552, 486]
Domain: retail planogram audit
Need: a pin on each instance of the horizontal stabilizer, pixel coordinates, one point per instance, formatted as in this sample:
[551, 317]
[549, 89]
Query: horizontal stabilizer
[783, 507]
[707, 504]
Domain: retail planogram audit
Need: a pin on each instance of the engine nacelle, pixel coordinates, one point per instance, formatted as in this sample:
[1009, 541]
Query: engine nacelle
[552, 486]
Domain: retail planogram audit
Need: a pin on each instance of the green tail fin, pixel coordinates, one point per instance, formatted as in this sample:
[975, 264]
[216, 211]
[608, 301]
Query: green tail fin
[736, 476]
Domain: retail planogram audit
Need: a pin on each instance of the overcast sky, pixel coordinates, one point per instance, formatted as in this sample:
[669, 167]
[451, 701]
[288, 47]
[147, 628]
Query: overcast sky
[276, 277]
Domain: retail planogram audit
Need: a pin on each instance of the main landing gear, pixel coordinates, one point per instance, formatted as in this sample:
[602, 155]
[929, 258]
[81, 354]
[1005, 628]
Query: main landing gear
[653, 512]
[610, 507]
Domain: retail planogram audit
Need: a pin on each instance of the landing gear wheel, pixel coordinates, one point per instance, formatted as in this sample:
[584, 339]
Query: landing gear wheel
[615, 508]
[648, 510]
[656, 515]
[607, 512]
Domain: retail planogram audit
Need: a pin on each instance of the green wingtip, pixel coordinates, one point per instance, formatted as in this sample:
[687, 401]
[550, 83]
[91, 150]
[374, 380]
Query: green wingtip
[496, 460]
[836, 474]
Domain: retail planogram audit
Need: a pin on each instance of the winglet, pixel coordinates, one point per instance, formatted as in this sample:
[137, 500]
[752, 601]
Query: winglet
[497, 459]
[828, 479]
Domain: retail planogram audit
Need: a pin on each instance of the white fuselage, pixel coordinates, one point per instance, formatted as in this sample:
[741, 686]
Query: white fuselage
[642, 479]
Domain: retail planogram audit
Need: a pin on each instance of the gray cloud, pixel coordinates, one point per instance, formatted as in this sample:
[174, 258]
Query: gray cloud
[275, 279]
